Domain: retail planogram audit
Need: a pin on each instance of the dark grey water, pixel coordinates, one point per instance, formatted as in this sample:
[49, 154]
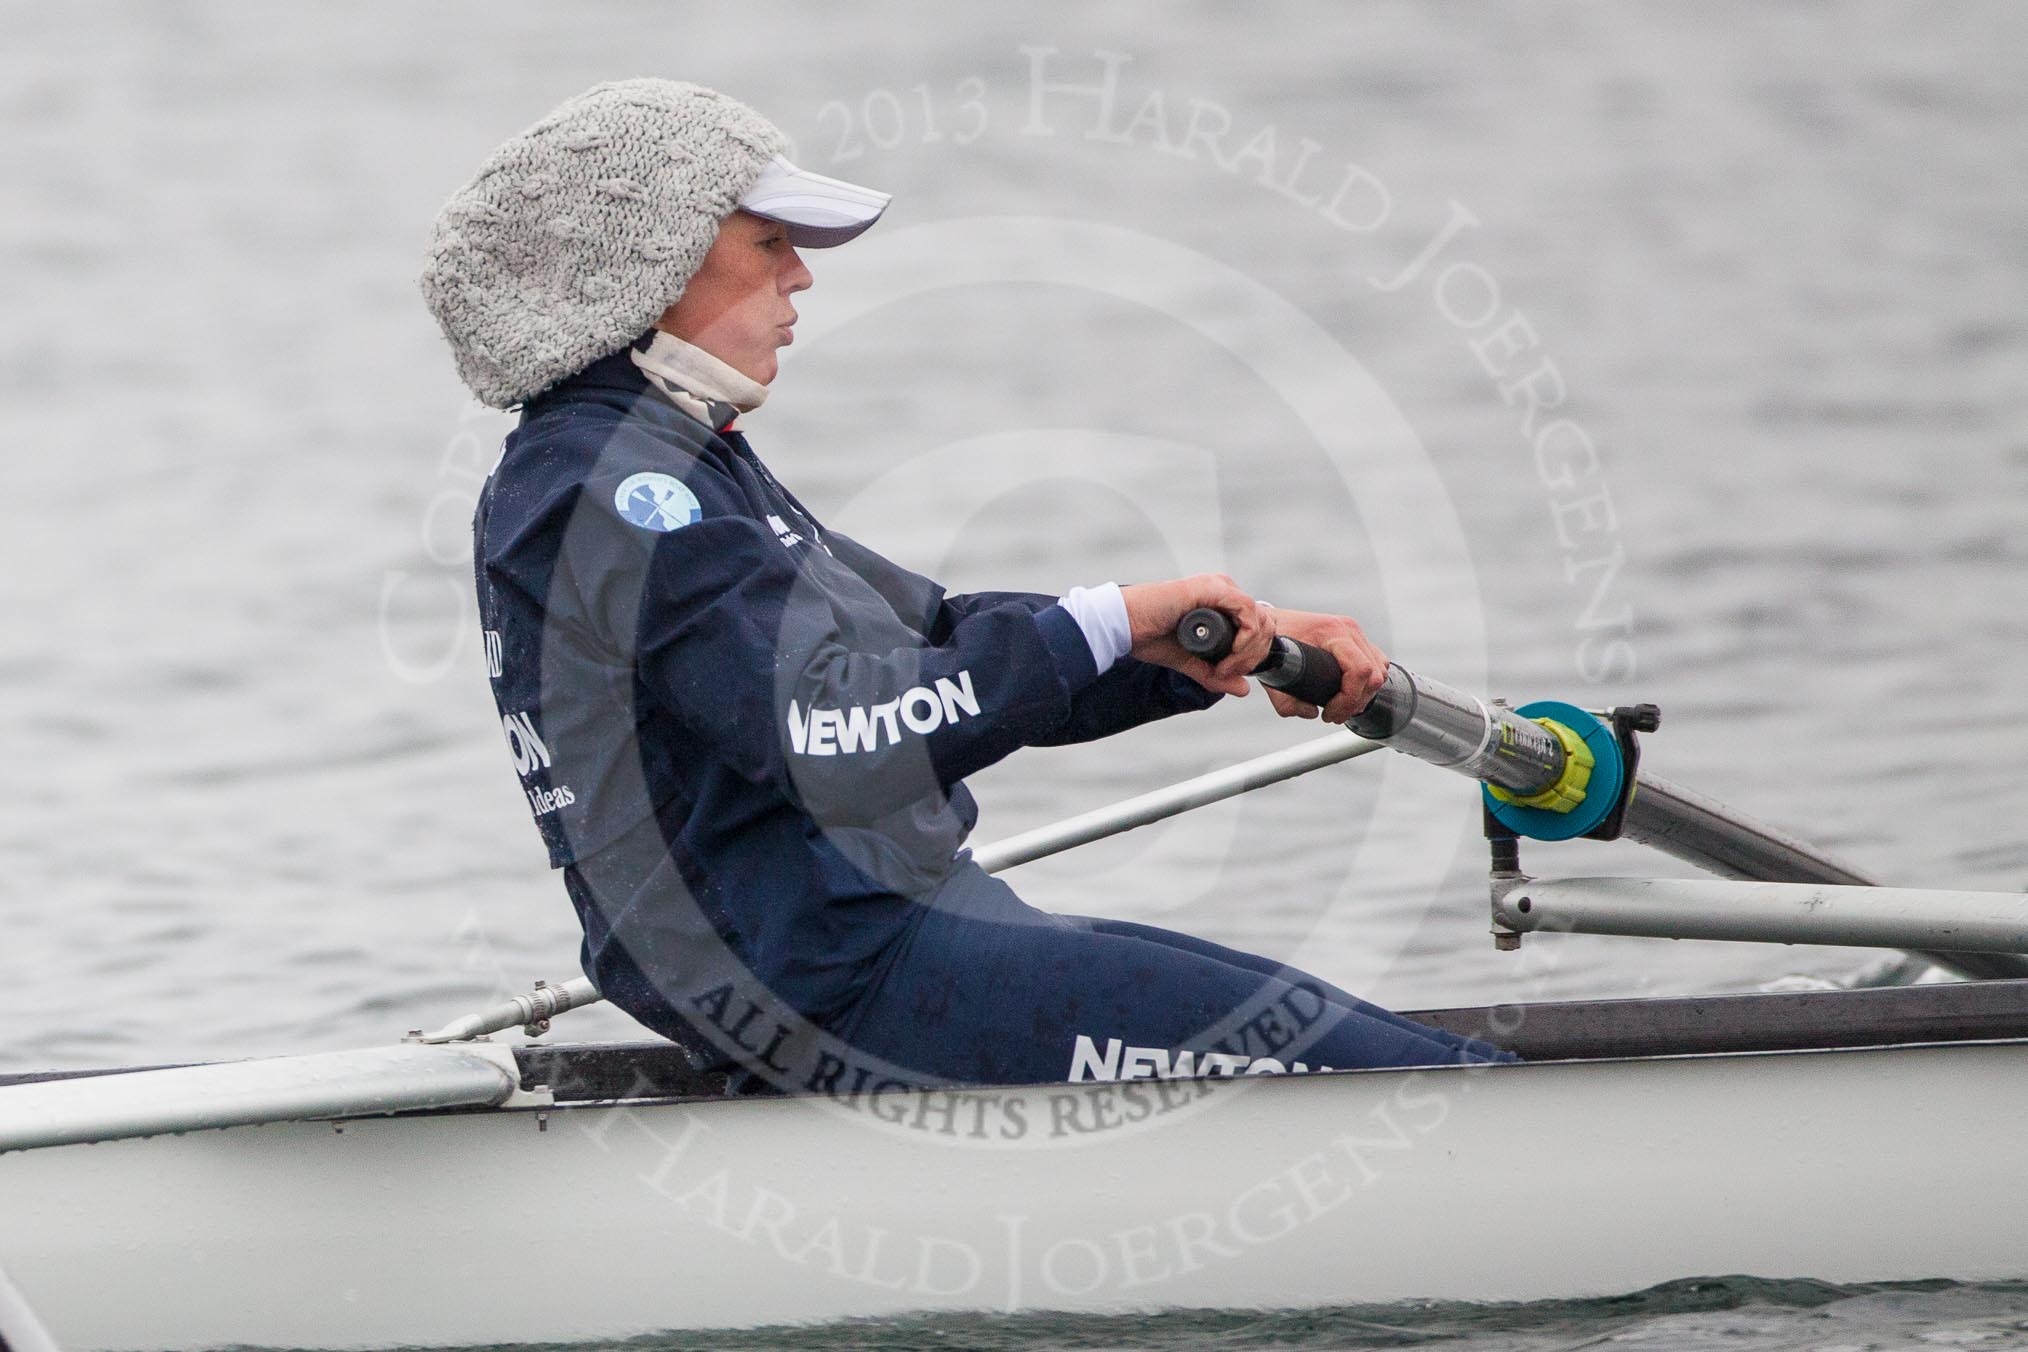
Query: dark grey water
[1722, 1314]
[1770, 263]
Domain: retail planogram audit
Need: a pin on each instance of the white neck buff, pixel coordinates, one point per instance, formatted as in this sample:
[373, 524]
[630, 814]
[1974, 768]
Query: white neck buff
[694, 380]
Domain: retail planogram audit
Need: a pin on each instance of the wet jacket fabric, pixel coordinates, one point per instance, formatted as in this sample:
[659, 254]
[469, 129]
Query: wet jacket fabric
[674, 639]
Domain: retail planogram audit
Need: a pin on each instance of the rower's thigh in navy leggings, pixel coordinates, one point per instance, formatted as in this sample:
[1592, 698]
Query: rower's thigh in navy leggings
[989, 989]
[1253, 962]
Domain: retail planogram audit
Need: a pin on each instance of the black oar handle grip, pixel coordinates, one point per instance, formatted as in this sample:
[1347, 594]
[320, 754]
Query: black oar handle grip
[1309, 674]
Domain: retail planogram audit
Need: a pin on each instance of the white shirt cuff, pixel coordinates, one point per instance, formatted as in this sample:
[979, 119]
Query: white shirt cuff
[1101, 612]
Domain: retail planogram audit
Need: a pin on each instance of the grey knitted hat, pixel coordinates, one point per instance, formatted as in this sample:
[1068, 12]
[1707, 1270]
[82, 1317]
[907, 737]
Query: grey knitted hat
[574, 236]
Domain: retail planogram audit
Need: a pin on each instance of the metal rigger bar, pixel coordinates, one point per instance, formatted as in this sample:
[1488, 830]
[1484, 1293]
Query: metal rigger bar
[1759, 912]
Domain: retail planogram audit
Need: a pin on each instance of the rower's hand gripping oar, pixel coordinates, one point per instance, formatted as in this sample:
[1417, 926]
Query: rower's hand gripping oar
[1308, 673]
[1550, 770]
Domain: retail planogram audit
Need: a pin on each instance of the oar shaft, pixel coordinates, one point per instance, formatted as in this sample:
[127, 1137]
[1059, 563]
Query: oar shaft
[1705, 832]
[1422, 718]
[1432, 722]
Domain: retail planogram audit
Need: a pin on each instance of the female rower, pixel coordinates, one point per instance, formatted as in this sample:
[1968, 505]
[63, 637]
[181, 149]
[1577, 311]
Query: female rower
[744, 736]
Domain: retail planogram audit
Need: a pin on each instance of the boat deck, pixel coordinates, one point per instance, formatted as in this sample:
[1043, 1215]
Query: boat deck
[1573, 1030]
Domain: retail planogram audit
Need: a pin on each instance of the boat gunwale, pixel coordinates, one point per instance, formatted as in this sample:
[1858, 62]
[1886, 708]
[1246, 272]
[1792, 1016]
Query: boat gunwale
[1311, 1076]
[1610, 1031]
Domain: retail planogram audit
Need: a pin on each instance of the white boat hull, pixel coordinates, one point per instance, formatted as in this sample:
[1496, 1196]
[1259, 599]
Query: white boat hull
[1499, 1183]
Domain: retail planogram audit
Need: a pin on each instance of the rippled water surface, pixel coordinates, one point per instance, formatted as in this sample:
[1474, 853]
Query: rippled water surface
[1773, 258]
[1737, 1314]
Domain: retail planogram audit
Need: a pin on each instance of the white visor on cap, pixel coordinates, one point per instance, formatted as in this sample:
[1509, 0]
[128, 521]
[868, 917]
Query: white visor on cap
[819, 211]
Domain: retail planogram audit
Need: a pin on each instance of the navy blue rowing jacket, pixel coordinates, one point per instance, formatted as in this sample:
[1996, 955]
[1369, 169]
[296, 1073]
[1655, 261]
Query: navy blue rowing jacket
[680, 651]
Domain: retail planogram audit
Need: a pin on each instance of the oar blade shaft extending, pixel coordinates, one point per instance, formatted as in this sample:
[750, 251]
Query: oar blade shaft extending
[1705, 832]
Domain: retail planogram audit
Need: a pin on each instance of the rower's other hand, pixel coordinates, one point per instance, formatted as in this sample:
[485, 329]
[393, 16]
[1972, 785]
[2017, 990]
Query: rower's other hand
[1363, 665]
[1155, 608]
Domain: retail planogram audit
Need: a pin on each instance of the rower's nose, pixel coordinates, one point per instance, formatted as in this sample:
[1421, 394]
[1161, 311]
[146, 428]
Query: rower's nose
[796, 275]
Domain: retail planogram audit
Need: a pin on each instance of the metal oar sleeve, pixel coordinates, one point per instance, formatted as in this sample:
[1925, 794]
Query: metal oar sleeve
[1422, 718]
[1432, 722]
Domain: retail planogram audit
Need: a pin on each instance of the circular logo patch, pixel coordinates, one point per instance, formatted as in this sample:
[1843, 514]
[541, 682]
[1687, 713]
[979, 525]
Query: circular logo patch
[657, 502]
